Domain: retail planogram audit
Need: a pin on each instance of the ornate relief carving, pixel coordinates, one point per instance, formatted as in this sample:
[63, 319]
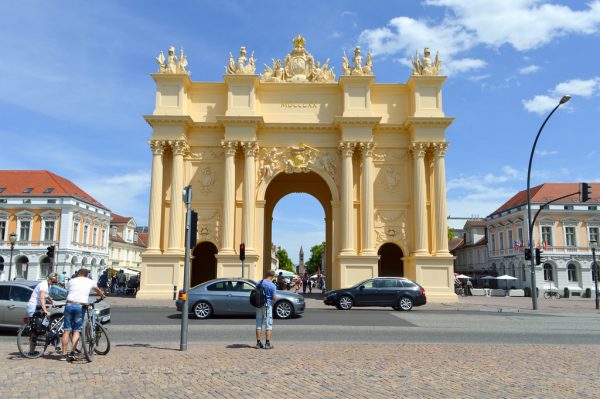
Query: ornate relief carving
[172, 64]
[358, 69]
[419, 149]
[179, 147]
[207, 179]
[326, 162]
[157, 146]
[299, 159]
[250, 148]
[391, 180]
[270, 163]
[425, 66]
[229, 147]
[243, 66]
[207, 154]
[367, 148]
[390, 226]
[299, 66]
[439, 149]
[347, 148]
[209, 227]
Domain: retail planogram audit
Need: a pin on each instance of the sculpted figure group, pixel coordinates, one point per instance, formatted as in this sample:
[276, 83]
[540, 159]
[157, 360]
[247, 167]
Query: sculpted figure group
[243, 66]
[172, 64]
[358, 68]
[425, 66]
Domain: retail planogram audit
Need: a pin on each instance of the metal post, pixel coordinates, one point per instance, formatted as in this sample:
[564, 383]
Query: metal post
[595, 268]
[187, 198]
[530, 222]
[242, 268]
[12, 247]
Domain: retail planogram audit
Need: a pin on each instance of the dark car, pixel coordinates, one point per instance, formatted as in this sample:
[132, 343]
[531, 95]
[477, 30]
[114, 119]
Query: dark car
[398, 292]
[231, 296]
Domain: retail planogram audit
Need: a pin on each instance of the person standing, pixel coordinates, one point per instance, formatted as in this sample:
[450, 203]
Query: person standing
[304, 282]
[122, 280]
[78, 292]
[40, 294]
[264, 315]
[469, 287]
[113, 283]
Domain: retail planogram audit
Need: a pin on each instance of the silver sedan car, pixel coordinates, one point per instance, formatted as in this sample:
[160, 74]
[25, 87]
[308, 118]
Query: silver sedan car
[231, 296]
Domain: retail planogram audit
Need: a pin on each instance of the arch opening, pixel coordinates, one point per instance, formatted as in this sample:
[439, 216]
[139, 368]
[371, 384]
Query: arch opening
[390, 261]
[204, 264]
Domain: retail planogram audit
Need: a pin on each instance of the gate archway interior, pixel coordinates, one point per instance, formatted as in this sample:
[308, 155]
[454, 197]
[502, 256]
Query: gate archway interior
[204, 264]
[309, 183]
[390, 260]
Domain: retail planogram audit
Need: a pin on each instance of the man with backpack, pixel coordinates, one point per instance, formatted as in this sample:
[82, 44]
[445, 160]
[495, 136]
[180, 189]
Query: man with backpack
[264, 314]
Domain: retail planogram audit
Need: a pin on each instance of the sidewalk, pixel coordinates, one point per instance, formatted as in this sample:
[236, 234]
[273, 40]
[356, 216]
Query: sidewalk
[374, 371]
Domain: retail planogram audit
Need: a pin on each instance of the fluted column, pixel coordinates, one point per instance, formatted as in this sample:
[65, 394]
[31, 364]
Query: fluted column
[156, 205]
[229, 196]
[347, 149]
[441, 225]
[367, 197]
[250, 150]
[178, 148]
[420, 199]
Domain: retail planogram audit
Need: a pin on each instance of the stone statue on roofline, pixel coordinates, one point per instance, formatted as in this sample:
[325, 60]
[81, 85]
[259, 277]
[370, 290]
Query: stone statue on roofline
[172, 64]
[425, 66]
[243, 65]
[358, 69]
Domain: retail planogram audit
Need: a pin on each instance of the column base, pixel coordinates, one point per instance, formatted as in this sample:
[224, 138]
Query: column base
[161, 275]
[153, 251]
[230, 265]
[435, 274]
[354, 269]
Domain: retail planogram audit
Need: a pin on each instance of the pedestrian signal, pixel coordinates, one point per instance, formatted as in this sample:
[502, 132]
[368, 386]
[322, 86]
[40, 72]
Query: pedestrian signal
[527, 253]
[538, 256]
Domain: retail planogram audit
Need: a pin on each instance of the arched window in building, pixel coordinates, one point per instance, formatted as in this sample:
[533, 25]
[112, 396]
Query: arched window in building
[572, 273]
[548, 272]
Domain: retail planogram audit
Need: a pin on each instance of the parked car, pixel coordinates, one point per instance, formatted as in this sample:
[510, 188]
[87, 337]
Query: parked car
[398, 292]
[231, 296]
[15, 294]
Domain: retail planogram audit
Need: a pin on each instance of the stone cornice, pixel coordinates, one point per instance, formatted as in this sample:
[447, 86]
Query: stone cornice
[349, 79]
[162, 120]
[414, 121]
[170, 77]
[241, 78]
[249, 120]
[298, 126]
[363, 121]
[436, 79]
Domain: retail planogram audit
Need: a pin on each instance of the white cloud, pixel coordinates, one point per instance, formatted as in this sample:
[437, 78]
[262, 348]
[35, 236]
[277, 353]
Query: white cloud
[578, 87]
[529, 69]
[545, 153]
[543, 103]
[523, 24]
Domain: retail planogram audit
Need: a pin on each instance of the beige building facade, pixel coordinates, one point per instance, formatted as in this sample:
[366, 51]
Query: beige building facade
[372, 154]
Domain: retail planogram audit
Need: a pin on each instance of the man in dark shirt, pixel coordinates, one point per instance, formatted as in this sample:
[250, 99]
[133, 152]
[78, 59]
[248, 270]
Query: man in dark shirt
[264, 315]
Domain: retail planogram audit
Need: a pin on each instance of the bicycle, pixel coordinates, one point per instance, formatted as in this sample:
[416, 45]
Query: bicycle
[94, 338]
[460, 291]
[551, 294]
[34, 337]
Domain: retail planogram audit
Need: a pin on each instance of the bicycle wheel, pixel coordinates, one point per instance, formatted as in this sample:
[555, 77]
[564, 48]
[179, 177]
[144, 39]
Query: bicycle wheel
[88, 340]
[558, 296]
[30, 344]
[547, 295]
[102, 340]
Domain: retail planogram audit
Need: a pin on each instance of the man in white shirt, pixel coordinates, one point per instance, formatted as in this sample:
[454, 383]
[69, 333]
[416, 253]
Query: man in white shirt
[78, 292]
[40, 294]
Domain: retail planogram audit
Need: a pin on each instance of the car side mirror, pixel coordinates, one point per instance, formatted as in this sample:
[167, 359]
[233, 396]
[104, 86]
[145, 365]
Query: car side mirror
[362, 287]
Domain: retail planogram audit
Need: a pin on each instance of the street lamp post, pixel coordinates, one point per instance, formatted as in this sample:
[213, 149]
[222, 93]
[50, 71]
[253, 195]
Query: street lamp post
[594, 246]
[12, 238]
[562, 101]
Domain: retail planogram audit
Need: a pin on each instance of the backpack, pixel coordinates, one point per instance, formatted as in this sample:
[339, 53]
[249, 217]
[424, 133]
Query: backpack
[258, 298]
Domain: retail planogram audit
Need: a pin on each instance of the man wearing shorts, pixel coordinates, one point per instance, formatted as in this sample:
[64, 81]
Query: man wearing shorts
[264, 315]
[78, 292]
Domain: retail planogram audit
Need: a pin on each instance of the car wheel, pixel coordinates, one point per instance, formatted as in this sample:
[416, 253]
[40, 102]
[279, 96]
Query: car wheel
[405, 303]
[284, 310]
[345, 303]
[202, 310]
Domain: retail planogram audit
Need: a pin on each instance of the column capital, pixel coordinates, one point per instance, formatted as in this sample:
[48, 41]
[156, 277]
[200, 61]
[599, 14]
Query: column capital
[419, 149]
[439, 149]
[230, 147]
[366, 148]
[157, 146]
[179, 147]
[347, 148]
[250, 148]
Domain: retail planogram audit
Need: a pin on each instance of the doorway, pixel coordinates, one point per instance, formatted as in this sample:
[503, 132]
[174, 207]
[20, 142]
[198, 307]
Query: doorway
[204, 264]
[390, 261]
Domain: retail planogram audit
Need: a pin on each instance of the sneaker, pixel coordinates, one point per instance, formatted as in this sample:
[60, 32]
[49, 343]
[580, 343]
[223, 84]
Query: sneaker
[268, 345]
[57, 348]
[259, 345]
[63, 358]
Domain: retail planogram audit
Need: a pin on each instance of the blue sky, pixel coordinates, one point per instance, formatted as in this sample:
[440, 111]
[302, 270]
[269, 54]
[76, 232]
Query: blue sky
[74, 84]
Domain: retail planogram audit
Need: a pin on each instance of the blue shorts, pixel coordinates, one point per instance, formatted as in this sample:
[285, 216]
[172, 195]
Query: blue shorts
[73, 317]
[264, 316]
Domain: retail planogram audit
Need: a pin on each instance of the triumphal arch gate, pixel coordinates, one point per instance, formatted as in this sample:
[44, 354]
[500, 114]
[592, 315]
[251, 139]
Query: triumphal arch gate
[371, 153]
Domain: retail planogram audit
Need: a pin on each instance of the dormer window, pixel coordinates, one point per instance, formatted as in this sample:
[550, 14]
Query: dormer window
[2, 189]
[28, 190]
[113, 231]
[48, 190]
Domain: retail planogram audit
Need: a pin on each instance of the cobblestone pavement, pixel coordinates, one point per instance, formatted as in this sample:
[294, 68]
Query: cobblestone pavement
[317, 371]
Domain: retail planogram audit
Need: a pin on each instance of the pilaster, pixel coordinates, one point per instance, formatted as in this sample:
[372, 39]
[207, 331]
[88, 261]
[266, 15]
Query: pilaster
[156, 205]
[179, 148]
[367, 197]
[250, 151]
[347, 230]
[441, 228]
[229, 148]
[420, 206]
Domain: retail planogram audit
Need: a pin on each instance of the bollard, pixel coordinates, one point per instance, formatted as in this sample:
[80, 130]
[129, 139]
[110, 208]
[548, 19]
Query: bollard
[174, 292]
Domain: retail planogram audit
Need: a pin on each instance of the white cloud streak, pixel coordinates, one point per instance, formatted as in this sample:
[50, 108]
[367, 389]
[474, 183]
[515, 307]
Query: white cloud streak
[529, 69]
[543, 103]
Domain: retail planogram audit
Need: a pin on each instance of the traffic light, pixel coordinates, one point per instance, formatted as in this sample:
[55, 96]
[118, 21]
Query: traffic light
[527, 253]
[538, 256]
[586, 192]
[50, 252]
[242, 251]
[193, 229]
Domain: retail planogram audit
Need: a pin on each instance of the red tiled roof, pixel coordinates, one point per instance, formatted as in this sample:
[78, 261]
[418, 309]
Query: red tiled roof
[114, 218]
[476, 223]
[15, 182]
[143, 238]
[548, 191]
[454, 243]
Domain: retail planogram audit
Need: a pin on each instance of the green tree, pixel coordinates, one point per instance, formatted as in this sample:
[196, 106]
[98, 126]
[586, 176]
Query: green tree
[451, 233]
[285, 262]
[316, 257]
